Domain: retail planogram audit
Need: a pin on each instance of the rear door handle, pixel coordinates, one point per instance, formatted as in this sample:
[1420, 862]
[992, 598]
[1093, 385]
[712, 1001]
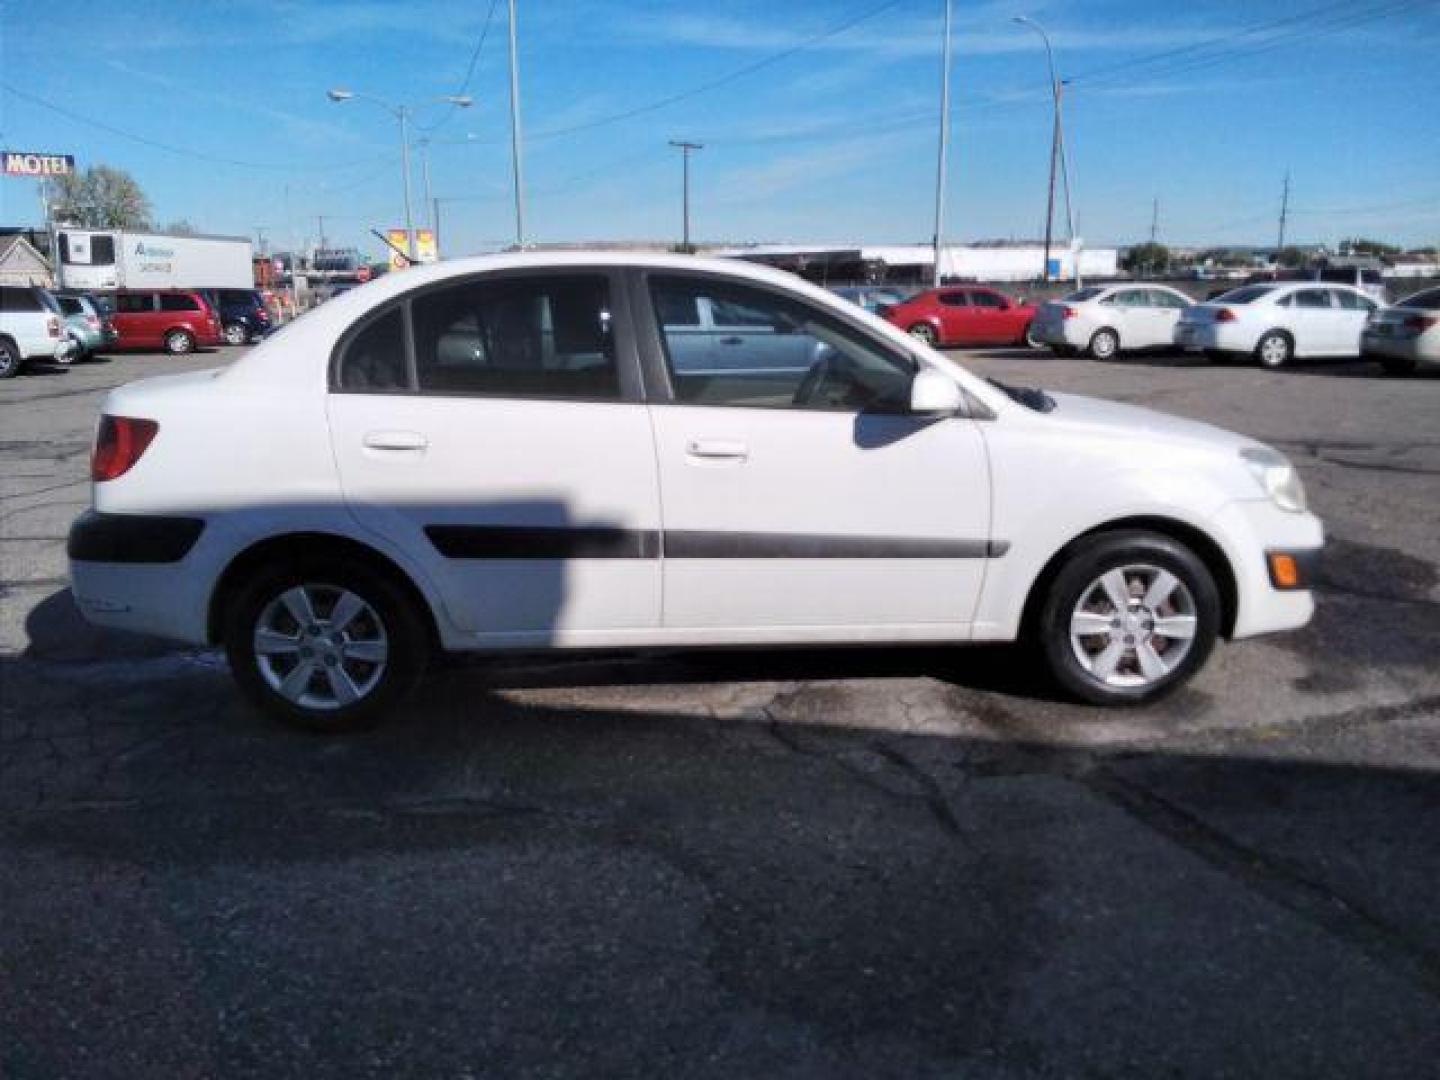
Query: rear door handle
[717, 449]
[395, 440]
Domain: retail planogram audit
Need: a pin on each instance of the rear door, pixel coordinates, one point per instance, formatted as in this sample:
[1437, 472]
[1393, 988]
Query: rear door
[492, 429]
[1166, 308]
[1316, 322]
[1354, 311]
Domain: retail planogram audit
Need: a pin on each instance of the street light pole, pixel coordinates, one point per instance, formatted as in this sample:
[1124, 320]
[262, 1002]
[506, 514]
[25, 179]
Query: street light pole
[402, 114]
[1057, 154]
[944, 149]
[515, 136]
[685, 148]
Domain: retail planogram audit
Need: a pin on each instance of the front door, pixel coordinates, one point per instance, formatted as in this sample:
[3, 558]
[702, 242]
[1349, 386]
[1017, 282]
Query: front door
[492, 430]
[807, 504]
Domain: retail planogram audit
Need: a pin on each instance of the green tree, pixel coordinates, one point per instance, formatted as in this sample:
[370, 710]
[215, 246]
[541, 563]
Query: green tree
[1291, 257]
[101, 198]
[1146, 259]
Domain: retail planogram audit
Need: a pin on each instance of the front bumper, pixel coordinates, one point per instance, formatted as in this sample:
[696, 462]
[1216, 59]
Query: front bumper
[1253, 531]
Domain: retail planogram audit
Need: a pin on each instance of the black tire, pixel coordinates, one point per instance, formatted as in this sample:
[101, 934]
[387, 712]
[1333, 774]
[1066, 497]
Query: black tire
[1029, 340]
[926, 333]
[10, 359]
[1092, 558]
[179, 342]
[403, 630]
[1104, 344]
[236, 334]
[1274, 350]
[1397, 365]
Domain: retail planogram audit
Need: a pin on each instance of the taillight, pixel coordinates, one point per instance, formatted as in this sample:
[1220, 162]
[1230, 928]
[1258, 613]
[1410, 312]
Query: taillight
[52, 325]
[119, 442]
[1224, 314]
[1420, 323]
[1068, 312]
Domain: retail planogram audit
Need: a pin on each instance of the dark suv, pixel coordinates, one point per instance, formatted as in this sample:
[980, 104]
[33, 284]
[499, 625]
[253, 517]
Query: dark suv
[243, 315]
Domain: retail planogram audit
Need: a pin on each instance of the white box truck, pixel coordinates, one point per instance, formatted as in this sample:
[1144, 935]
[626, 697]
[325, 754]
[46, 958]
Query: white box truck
[104, 259]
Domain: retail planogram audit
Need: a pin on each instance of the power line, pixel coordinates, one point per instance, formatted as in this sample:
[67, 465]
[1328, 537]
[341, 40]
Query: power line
[469, 69]
[171, 148]
[722, 80]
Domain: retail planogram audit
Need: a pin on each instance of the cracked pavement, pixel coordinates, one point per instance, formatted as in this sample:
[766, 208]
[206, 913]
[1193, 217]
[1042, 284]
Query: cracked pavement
[909, 862]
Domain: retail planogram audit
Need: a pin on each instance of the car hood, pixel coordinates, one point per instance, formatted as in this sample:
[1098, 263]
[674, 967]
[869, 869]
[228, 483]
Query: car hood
[1095, 416]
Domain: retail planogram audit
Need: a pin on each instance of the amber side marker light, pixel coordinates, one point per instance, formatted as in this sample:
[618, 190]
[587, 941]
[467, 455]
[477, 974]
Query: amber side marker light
[1284, 570]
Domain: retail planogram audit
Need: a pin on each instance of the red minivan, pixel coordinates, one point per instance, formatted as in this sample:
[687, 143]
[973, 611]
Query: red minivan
[176, 320]
[964, 315]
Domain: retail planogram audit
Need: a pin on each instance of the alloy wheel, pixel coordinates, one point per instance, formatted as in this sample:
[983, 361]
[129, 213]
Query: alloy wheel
[1133, 625]
[320, 647]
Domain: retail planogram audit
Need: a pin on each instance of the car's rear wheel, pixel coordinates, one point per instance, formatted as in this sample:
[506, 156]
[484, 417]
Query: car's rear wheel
[1104, 344]
[925, 332]
[1129, 617]
[10, 360]
[236, 334]
[326, 645]
[1397, 365]
[179, 342]
[1274, 350]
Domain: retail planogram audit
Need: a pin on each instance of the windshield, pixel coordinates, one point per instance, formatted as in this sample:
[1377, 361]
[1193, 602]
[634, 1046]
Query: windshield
[1244, 295]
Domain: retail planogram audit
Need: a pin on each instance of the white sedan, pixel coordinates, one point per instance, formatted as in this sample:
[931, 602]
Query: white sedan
[1103, 320]
[1406, 335]
[1278, 323]
[510, 452]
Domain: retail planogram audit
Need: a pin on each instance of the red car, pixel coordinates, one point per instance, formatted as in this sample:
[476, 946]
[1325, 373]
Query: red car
[176, 320]
[964, 315]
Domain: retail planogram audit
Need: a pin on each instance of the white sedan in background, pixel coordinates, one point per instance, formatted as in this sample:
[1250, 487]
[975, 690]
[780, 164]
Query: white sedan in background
[1406, 335]
[1105, 319]
[1278, 323]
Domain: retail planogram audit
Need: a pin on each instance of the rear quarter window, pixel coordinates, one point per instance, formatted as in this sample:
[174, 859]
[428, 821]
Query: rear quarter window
[1425, 301]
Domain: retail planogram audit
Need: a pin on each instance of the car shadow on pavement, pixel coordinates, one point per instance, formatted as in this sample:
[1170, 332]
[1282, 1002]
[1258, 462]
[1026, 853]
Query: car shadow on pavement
[565, 881]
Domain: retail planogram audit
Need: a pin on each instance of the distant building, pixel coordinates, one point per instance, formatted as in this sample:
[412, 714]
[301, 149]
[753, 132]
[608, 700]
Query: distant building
[21, 264]
[913, 263]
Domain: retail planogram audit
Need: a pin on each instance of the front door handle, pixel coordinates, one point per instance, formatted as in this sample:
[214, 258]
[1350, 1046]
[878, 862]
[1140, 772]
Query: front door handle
[395, 440]
[717, 449]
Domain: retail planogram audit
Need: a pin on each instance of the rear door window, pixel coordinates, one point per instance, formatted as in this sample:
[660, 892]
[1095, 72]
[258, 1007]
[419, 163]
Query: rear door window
[1312, 298]
[375, 359]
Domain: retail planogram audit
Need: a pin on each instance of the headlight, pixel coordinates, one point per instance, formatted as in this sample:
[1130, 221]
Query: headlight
[1276, 476]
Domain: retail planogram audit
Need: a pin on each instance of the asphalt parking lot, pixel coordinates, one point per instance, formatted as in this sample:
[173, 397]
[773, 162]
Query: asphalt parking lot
[906, 862]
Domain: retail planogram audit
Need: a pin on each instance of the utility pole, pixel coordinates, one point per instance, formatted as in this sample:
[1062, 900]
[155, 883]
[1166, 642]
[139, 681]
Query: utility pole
[685, 149]
[435, 223]
[424, 145]
[944, 149]
[1155, 220]
[515, 136]
[320, 222]
[260, 245]
[1284, 214]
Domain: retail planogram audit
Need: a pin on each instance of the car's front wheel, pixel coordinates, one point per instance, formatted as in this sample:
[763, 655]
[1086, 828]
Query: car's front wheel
[1129, 617]
[326, 645]
[179, 342]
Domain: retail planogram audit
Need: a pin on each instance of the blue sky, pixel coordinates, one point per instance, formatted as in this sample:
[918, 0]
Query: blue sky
[1202, 105]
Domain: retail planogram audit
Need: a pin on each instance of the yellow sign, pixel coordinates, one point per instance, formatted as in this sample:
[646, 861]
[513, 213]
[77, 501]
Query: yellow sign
[425, 249]
[399, 241]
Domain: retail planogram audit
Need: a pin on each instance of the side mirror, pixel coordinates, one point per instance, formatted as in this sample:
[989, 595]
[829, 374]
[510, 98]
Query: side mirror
[934, 394]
